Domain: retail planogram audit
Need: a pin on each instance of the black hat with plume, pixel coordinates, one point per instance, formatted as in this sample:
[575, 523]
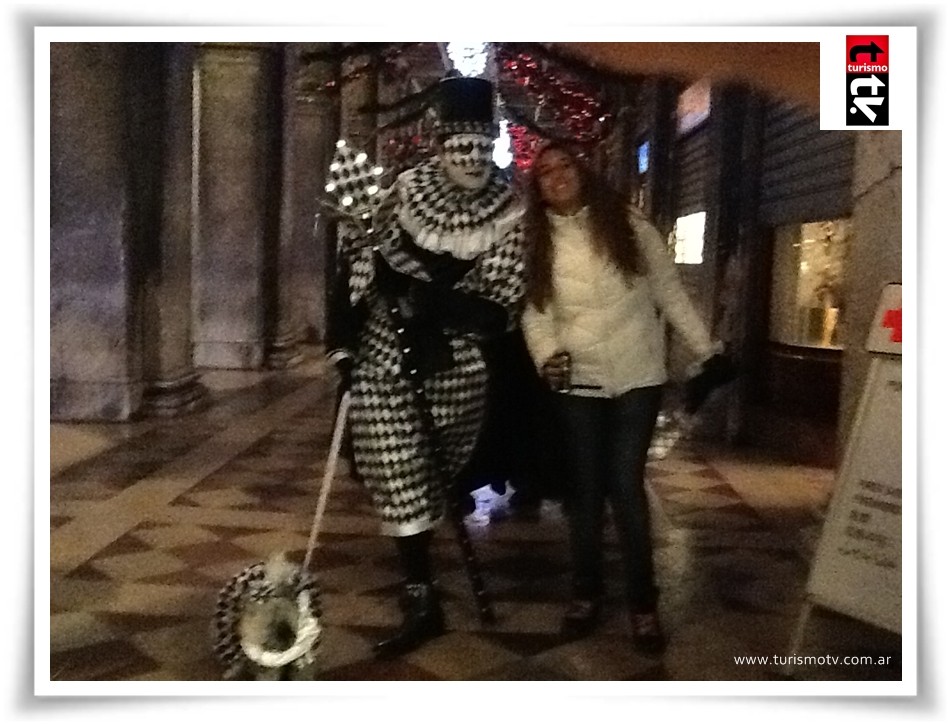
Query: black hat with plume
[466, 105]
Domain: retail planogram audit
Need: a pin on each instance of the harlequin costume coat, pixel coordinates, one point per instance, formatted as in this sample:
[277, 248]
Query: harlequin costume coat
[418, 295]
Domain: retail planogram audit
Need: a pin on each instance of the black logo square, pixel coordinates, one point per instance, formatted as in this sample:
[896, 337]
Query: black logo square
[867, 99]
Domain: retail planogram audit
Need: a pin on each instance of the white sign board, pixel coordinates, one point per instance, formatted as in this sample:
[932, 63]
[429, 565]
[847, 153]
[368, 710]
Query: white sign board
[857, 566]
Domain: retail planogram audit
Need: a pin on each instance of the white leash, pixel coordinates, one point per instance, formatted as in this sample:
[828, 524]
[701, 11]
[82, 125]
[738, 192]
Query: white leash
[308, 628]
[328, 474]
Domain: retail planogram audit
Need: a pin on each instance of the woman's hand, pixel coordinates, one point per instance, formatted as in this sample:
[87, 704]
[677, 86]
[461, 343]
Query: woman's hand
[556, 371]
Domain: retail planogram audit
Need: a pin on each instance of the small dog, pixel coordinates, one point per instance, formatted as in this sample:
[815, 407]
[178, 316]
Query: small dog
[266, 625]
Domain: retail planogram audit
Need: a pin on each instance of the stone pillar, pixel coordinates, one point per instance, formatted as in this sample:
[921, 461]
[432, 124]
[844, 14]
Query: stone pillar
[317, 129]
[306, 149]
[172, 382]
[237, 202]
[284, 331]
[874, 258]
[360, 87]
[95, 338]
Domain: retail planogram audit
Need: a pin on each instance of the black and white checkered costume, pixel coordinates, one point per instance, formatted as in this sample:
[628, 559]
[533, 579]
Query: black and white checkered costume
[391, 451]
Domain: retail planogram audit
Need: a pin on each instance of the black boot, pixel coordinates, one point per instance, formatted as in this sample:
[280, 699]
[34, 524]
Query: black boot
[583, 614]
[422, 621]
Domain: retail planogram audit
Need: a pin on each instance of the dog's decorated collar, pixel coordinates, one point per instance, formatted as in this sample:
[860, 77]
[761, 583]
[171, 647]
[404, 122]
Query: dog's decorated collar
[239, 646]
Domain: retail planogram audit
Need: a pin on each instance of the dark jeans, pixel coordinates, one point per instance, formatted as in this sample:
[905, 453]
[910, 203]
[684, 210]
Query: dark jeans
[606, 442]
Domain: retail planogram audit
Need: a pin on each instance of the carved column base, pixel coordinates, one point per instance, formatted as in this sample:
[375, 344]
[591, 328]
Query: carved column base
[229, 355]
[284, 353]
[166, 399]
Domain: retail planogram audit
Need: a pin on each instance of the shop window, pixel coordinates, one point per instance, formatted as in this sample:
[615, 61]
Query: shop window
[807, 276]
[692, 108]
[687, 237]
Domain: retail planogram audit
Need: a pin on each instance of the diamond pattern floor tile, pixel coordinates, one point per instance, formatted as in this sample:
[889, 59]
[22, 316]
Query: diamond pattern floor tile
[732, 560]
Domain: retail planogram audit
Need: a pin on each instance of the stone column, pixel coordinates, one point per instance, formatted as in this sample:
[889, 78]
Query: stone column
[172, 382]
[95, 342]
[874, 258]
[284, 331]
[317, 129]
[237, 203]
[360, 87]
[307, 146]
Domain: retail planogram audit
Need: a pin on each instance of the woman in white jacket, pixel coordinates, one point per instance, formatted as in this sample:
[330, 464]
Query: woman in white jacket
[600, 285]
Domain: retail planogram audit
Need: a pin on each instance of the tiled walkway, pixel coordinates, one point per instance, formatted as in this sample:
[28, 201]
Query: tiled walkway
[149, 520]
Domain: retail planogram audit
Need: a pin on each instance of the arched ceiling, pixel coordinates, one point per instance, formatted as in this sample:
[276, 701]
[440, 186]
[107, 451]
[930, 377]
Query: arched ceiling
[789, 71]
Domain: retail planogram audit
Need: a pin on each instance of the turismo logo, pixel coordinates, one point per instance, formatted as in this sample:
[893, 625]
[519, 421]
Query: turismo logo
[867, 73]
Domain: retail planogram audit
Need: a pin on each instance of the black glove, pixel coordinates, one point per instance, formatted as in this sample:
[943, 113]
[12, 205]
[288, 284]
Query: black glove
[716, 371]
[344, 370]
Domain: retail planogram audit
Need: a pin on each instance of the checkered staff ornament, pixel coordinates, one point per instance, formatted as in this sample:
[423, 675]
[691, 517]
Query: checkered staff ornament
[354, 186]
[268, 616]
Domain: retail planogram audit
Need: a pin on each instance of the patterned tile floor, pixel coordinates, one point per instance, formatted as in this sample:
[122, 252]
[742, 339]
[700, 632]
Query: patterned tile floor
[150, 519]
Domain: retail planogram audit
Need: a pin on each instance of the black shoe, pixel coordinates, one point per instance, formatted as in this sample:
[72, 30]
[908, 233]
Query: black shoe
[581, 618]
[648, 637]
[422, 621]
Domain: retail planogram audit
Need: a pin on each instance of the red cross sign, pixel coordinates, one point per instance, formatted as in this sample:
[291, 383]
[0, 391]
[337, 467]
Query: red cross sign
[892, 320]
[887, 333]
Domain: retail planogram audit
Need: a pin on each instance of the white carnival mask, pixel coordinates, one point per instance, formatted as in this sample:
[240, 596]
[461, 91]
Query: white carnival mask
[467, 160]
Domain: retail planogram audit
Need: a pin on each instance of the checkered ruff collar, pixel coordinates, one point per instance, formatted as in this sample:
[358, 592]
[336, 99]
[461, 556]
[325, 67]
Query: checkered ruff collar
[443, 217]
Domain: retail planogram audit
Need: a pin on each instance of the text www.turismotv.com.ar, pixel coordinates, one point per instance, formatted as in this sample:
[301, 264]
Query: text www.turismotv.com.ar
[794, 660]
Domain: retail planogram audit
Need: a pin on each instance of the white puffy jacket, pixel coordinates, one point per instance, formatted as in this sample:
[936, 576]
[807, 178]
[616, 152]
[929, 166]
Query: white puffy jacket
[611, 324]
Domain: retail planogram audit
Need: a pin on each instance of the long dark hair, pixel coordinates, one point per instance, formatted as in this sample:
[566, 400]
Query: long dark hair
[611, 231]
